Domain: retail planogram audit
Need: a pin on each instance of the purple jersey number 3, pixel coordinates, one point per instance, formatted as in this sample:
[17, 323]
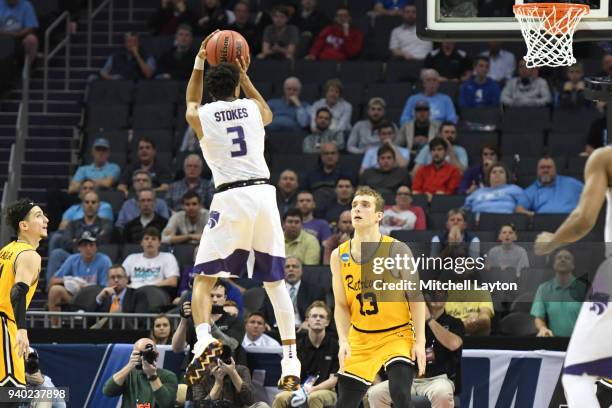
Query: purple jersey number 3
[242, 148]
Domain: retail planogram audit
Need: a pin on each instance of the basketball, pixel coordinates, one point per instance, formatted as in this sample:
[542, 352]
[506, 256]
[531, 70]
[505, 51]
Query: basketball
[226, 46]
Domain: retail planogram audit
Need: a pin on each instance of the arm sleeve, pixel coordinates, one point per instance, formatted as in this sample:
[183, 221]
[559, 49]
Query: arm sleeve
[166, 394]
[64, 270]
[423, 156]
[407, 113]
[394, 43]
[171, 229]
[102, 272]
[421, 222]
[506, 95]
[115, 171]
[417, 183]
[453, 182]
[344, 123]
[538, 309]
[464, 99]
[172, 268]
[30, 20]
[319, 43]
[353, 44]
[79, 175]
[162, 208]
[353, 141]
[112, 389]
[462, 156]
[303, 114]
[451, 114]
[313, 252]
[246, 395]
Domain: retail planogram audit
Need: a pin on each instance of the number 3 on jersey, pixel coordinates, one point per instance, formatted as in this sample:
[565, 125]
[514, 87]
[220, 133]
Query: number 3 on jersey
[242, 148]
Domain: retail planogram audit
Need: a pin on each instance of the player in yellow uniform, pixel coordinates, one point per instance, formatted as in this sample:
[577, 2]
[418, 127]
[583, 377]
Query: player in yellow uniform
[373, 333]
[19, 270]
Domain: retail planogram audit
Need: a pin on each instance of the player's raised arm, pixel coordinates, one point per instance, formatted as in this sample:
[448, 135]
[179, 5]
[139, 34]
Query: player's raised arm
[341, 309]
[584, 216]
[251, 92]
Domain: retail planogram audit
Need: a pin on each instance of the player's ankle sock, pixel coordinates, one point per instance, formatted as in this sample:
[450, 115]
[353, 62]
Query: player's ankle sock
[203, 331]
[285, 317]
[580, 391]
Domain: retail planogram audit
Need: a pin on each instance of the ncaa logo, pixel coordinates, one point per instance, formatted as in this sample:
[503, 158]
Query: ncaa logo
[600, 303]
[213, 220]
[344, 257]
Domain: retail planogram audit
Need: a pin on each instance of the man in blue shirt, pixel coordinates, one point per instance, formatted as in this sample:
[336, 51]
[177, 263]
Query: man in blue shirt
[103, 173]
[88, 267]
[552, 193]
[457, 155]
[76, 212]
[387, 135]
[479, 90]
[18, 20]
[290, 112]
[440, 105]
[129, 210]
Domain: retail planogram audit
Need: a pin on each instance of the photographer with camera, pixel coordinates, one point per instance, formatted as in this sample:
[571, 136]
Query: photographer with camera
[140, 382]
[226, 384]
[35, 379]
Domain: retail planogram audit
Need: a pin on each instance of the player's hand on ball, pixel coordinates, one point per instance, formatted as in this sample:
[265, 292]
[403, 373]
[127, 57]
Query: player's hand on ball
[343, 352]
[202, 52]
[419, 354]
[542, 243]
[243, 64]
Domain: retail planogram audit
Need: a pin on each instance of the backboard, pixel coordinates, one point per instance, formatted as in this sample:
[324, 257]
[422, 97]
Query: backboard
[489, 20]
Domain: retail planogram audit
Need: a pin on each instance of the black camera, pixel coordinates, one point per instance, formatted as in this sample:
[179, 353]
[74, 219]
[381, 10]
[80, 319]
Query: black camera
[149, 355]
[32, 363]
[226, 354]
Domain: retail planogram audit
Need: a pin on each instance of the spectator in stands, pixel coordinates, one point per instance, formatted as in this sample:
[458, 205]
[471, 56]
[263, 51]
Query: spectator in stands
[403, 215]
[152, 267]
[161, 332]
[438, 177]
[386, 137]
[527, 89]
[286, 193]
[310, 22]
[280, 39]
[338, 41]
[388, 7]
[318, 352]
[18, 20]
[88, 267]
[479, 90]
[193, 181]
[418, 132]
[342, 233]
[147, 217]
[499, 197]
[254, 336]
[449, 62]
[341, 109]
[456, 155]
[77, 211]
[387, 175]
[142, 383]
[463, 8]
[558, 301]
[98, 227]
[171, 15]
[317, 227]
[363, 134]
[474, 307]
[503, 63]
[440, 105]
[551, 192]
[571, 94]
[160, 173]
[298, 242]
[103, 173]
[177, 62]
[212, 16]
[322, 134]
[321, 181]
[141, 179]
[507, 255]
[243, 25]
[186, 226]
[404, 43]
[117, 297]
[456, 233]
[131, 62]
[443, 341]
[290, 113]
[474, 177]
[597, 136]
[344, 196]
[302, 295]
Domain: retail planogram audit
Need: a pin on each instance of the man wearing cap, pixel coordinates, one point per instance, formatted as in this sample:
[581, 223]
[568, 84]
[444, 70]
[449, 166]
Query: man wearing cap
[88, 267]
[363, 134]
[420, 130]
[103, 173]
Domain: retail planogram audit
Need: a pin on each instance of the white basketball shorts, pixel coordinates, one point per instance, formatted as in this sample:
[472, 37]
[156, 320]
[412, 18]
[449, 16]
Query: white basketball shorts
[243, 236]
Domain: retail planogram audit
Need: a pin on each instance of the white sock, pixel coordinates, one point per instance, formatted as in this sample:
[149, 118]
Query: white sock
[285, 317]
[203, 331]
[580, 391]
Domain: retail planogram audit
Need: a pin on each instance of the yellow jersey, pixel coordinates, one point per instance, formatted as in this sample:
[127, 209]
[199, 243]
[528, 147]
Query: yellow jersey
[369, 315]
[8, 256]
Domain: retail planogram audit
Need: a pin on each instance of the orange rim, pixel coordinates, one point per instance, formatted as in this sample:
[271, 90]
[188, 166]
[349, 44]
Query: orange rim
[552, 12]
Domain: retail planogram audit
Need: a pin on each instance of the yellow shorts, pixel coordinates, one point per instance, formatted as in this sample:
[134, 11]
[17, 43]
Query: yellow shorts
[371, 351]
[12, 368]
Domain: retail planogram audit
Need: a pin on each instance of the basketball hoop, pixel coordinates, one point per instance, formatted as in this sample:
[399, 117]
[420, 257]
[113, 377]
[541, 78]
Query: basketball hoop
[548, 29]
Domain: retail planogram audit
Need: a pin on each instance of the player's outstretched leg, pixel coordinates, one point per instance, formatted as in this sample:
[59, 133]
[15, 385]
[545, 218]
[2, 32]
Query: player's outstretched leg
[580, 391]
[207, 347]
[350, 392]
[285, 319]
[400, 376]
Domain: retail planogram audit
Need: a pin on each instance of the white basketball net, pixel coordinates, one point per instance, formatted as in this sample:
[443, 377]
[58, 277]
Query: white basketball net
[548, 30]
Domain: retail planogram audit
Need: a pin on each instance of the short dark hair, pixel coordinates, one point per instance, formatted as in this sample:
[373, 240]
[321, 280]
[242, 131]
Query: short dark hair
[435, 142]
[255, 314]
[481, 58]
[280, 9]
[117, 266]
[490, 146]
[345, 179]
[191, 194]
[332, 82]
[145, 190]
[149, 141]
[18, 212]
[221, 80]
[323, 109]
[292, 212]
[384, 125]
[219, 284]
[447, 123]
[385, 149]
[152, 232]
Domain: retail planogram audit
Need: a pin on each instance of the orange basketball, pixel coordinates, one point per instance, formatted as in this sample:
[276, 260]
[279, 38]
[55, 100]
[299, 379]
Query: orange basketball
[226, 46]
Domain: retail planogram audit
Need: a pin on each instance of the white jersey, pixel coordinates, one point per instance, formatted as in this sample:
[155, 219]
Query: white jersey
[608, 227]
[233, 141]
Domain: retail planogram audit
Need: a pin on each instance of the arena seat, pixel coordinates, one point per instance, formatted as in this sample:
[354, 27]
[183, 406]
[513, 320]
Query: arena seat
[319, 275]
[403, 71]
[86, 298]
[483, 116]
[107, 117]
[259, 70]
[301, 163]
[253, 299]
[576, 164]
[156, 297]
[285, 142]
[523, 144]
[184, 254]
[157, 92]
[413, 236]
[315, 72]
[361, 7]
[492, 221]
[266, 89]
[547, 222]
[362, 72]
[111, 250]
[394, 93]
[421, 201]
[118, 140]
[157, 116]
[353, 93]
[573, 121]
[163, 139]
[114, 197]
[560, 143]
[436, 221]
[526, 120]
[445, 203]
[116, 92]
[518, 324]
[156, 45]
[523, 302]
[532, 278]
[473, 141]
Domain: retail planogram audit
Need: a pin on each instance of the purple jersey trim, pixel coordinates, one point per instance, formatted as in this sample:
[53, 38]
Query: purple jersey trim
[602, 367]
[268, 268]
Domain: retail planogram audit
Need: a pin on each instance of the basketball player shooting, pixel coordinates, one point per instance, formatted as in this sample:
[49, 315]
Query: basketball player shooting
[244, 230]
[589, 355]
[19, 270]
[373, 333]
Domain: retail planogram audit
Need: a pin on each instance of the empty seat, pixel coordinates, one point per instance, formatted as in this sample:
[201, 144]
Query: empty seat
[129, 249]
[450, 88]
[385, 24]
[157, 92]
[85, 299]
[301, 163]
[351, 162]
[153, 116]
[261, 70]
[420, 200]
[180, 123]
[361, 7]
[318, 275]
[163, 139]
[265, 89]
[403, 71]
[526, 120]
[473, 117]
[113, 197]
[436, 221]
[107, 117]
[490, 221]
[413, 236]
[184, 254]
[547, 222]
[517, 324]
[573, 120]
[563, 143]
[523, 144]
[363, 72]
[111, 250]
[285, 142]
[444, 203]
[253, 299]
[353, 93]
[375, 46]
[576, 165]
[487, 236]
[156, 45]
[117, 92]
[473, 141]
[156, 297]
[315, 71]
[395, 94]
